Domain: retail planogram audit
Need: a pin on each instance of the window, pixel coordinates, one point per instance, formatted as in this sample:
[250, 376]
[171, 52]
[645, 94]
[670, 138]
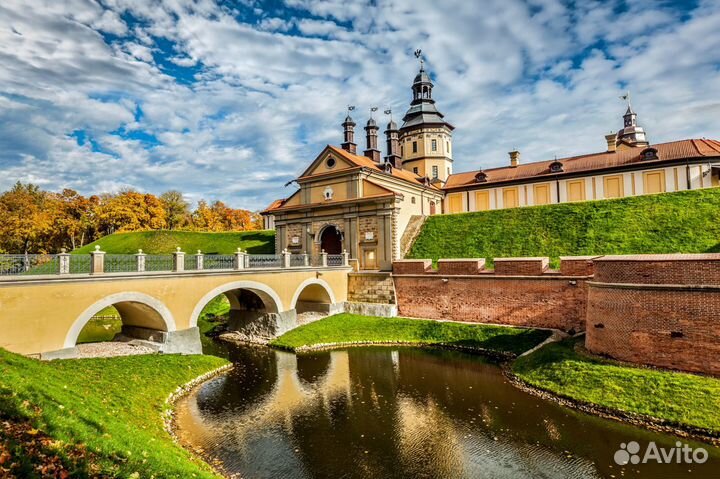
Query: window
[654, 181]
[542, 194]
[510, 198]
[482, 200]
[433, 145]
[415, 170]
[330, 162]
[613, 186]
[412, 199]
[649, 154]
[455, 203]
[576, 190]
[447, 146]
[402, 150]
[481, 177]
[448, 170]
[414, 146]
[556, 167]
[435, 171]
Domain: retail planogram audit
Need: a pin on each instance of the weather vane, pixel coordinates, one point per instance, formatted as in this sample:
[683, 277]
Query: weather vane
[418, 55]
[389, 112]
[373, 110]
[626, 97]
[351, 108]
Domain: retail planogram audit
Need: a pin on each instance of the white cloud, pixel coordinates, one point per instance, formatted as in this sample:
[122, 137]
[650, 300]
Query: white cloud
[260, 97]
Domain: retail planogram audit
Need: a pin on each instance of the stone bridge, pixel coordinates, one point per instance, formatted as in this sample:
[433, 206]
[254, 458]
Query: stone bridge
[44, 313]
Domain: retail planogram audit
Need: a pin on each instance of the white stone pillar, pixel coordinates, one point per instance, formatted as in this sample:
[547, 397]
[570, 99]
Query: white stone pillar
[346, 258]
[286, 258]
[239, 262]
[178, 260]
[305, 259]
[97, 261]
[323, 259]
[200, 260]
[140, 261]
[63, 262]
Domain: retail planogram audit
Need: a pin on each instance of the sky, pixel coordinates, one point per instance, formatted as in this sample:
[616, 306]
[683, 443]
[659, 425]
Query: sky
[230, 100]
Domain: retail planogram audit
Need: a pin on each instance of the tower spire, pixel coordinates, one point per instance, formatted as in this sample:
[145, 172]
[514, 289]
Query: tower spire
[349, 132]
[631, 135]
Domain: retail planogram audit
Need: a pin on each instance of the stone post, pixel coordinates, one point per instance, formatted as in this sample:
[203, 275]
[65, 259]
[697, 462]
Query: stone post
[140, 261]
[323, 259]
[200, 260]
[305, 259]
[286, 258]
[346, 258]
[239, 262]
[64, 262]
[97, 261]
[178, 260]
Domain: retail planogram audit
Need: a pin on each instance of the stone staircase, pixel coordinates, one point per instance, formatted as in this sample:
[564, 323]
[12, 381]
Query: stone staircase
[411, 233]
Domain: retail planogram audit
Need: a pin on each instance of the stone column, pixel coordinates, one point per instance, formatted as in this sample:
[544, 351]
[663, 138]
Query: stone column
[200, 260]
[97, 261]
[239, 262]
[346, 258]
[64, 262]
[323, 259]
[178, 260]
[286, 258]
[140, 261]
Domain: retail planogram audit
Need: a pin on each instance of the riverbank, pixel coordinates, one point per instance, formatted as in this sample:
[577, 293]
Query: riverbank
[349, 329]
[684, 404]
[94, 417]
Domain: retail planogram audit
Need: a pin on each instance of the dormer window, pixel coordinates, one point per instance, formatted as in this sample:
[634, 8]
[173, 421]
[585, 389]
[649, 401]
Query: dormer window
[388, 168]
[649, 154]
[556, 167]
[481, 177]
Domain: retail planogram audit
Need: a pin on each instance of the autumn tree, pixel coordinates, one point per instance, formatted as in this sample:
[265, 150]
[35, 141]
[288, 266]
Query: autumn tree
[130, 211]
[24, 218]
[74, 217]
[177, 210]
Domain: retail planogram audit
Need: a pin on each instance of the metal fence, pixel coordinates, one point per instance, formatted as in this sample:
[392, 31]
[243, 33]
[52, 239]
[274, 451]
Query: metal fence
[299, 260]
[158, 262]
[219, 261]
[29, 264]
[264, 261]
[191, 262]
[80, 263]
[119, 263]
[334, 260]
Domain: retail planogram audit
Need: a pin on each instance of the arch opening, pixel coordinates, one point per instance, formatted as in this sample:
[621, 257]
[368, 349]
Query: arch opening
[314, 299]
[331, 240]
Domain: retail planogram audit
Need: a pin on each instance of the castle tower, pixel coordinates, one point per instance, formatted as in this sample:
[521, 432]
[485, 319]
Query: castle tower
[631, 135]
[371, 140]
[425, 137]
[349, 135]
[393, 144]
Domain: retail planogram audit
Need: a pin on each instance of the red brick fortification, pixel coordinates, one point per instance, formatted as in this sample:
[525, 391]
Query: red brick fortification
[661, 310]
[519, 292]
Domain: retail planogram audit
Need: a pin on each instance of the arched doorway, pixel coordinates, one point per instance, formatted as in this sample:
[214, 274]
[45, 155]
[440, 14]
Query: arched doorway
[331, 240]
[432, 207]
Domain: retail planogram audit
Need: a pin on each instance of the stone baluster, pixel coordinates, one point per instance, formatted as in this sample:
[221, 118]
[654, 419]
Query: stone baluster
[97, 261]
[178, 260]
[140, 261]
[63, 262]
[323, 259]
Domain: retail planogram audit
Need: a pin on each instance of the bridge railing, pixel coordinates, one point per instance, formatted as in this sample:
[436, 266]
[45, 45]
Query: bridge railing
[97, 262]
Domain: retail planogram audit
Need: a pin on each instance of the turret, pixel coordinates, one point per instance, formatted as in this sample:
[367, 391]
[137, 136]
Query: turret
[371, 136]
[393, 144]
[349, 135]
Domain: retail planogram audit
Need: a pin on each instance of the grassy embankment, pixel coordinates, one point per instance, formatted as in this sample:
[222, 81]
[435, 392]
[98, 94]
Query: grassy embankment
[94, 416]
[679, 398]
[349, 328]
[683, 222]
[166, 242]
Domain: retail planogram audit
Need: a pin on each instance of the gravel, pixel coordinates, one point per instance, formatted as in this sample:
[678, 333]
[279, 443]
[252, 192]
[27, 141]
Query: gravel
[110, 349]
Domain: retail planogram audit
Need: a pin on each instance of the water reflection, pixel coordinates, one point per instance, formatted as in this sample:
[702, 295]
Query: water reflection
[380, 412]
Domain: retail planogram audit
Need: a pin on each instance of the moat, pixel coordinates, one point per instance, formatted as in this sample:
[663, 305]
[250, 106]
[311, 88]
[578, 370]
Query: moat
[401, 412]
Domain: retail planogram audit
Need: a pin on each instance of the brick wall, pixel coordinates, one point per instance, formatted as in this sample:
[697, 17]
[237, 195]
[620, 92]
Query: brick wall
[520, 292]
[375, 287]
[658, 310]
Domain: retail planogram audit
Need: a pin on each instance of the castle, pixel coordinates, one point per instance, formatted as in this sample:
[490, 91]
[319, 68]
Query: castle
[365, 204]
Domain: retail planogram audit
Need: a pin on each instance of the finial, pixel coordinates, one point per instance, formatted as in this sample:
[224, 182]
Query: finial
[418, 55]
[177, 249]
[199, 252]
[97, 247]
[140, 251]
[389, 112]
[63, 250]
[373, 110]
[626, 97]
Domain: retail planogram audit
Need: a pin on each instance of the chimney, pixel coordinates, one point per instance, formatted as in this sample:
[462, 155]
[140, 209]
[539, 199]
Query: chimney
[514, 158]
[349, 135]
[393, 145]
[611, 142]
[371, 131]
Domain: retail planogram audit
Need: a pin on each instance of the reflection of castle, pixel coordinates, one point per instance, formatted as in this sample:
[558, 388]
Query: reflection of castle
[364, 204]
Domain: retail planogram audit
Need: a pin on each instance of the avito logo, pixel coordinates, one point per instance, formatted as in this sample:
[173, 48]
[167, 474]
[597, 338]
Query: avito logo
[680, 454]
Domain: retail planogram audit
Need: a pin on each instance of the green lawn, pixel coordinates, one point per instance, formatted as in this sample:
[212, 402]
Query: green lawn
[111, 407]
[677, 397]
[166, 242]
[343, 328]
[683, 222]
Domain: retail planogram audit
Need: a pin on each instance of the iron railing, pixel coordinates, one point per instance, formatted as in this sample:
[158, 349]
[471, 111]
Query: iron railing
[80, 263]
[334, 260]
[299, 260]
[120, 263]
[191, 262]
[219, 261]
[158, 262]
[264, 261]
[29, 264]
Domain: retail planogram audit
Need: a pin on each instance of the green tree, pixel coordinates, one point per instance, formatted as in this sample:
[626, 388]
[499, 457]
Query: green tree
[177, 210]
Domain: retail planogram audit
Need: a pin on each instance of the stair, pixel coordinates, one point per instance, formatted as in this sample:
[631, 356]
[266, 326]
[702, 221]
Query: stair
[413, 229]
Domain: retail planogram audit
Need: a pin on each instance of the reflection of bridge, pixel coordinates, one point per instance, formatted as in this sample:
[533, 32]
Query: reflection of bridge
[44, 313]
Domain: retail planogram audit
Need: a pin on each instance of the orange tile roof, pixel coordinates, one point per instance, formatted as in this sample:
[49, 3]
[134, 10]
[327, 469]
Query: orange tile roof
[675, 150]
[366, 162]
[278, 204]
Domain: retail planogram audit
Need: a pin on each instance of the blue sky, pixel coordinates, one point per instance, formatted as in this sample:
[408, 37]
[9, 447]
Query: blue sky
[230, 100]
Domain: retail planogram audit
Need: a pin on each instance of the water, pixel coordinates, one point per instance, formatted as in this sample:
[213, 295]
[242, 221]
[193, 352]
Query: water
[401, 413]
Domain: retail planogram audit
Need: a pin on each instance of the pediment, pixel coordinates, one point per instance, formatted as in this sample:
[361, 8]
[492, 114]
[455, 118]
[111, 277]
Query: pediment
[327, 162]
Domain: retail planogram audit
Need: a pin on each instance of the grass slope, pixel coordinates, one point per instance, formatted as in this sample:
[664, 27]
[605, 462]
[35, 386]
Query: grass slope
[110, 407]
[683, 222]
[343, 328]
[681, 398]
[165, 242]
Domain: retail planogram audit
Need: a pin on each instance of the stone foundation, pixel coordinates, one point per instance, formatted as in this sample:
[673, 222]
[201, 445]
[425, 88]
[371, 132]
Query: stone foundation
[371, 287]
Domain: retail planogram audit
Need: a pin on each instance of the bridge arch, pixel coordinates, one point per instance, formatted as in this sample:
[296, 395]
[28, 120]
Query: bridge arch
[136, 309]
[270, 299]
[312, 291]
